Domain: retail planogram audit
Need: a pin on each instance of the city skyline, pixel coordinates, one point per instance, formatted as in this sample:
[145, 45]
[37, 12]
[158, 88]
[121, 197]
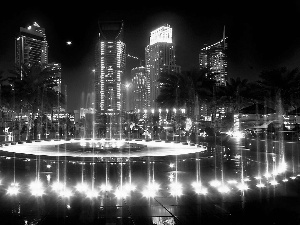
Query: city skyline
[261, 37]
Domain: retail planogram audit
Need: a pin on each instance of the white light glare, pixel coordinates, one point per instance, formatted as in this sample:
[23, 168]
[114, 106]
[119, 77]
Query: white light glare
[81, 187]
[13, 189]
[260, 185]
[105, 187]
[199, 189]
[223, 189]
[121, 193]
[151, 190]
[91, 194]
[36, 188]
[215, 183]
[273, 182]
[57, 186]
[176, 189]
[242, 187]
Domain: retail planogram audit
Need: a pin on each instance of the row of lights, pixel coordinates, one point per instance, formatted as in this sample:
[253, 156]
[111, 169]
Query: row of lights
[150, 191]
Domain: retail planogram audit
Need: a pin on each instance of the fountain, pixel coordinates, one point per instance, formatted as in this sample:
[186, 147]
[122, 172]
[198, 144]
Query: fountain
[130, 180]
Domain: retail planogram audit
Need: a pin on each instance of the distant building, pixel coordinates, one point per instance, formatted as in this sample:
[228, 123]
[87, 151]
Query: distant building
[139, 90]
[214, 58]
[31, 46]
[159, 57]
[57, 67]
[109, 71]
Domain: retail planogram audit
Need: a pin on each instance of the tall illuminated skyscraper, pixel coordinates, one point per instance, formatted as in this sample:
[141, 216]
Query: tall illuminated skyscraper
[109, 71]
[139, 89]
[214, 58]
[159, 57]
[31, 46]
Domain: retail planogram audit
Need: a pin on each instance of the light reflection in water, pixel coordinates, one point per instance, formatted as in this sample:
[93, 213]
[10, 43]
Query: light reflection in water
[112, 177]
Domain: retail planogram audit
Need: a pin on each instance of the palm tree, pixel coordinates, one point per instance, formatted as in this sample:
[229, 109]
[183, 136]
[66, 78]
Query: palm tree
[237, 94]
[182, 89]
[281, 84]
[33, 88]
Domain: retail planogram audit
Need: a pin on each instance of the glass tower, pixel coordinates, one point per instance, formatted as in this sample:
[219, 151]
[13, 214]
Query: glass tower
[159, 57]
[31, 46]
[214, 58]
[109, 72]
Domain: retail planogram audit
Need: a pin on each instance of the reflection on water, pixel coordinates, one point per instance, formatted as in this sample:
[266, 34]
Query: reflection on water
[208, 185]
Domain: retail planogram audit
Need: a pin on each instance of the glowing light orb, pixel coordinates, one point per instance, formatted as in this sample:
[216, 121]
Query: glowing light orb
[13, 189]
[199, 189]
[232, 182]
[121, 193]
[215, 183]
[36, 188]
[175, 189]
[151, 190]
[273, 182]
[65, 193]
[105, 187]
[58, 186]
[81, 187]
[242, 187]
[223, 189]
[92, 194]
[293, 177]
[260, 185]
[129, 187]
[69, 42]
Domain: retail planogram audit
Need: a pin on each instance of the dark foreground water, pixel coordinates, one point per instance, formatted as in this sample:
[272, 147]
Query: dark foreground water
[276, 201]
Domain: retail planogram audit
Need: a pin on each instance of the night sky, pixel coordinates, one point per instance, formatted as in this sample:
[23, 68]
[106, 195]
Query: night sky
[260, 36]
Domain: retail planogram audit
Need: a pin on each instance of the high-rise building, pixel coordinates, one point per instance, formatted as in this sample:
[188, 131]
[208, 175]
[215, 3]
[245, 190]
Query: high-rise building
[214, 58]
[31, 46]
[139, 89]
[109, 72]
[159, 57]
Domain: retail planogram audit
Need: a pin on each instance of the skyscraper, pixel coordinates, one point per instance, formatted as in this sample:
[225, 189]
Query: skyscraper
[159, 57]
[139, 89]
[31, 46]
[214, 58]
[109, 71]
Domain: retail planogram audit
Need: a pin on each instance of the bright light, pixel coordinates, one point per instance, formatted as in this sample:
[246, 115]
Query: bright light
[242, 187]
[273, 182]
[232, 182]
[69, 42]
[199, 189]
[13, 189]
[129, 187]
[66, 193]
[36, 188]
[224, 189]
[120, 193]
[105, 187]
[57, 186]
[260, 185]
[215, 183]
[151, 190]
[171, 165]
[81, 187]
[176, 189]
[91, 194]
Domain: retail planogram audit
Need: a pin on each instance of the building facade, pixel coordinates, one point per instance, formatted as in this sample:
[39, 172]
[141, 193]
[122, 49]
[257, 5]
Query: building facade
[31, 46]
[214, 58]
[159, 57]
[109, 71]
[139, 90]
